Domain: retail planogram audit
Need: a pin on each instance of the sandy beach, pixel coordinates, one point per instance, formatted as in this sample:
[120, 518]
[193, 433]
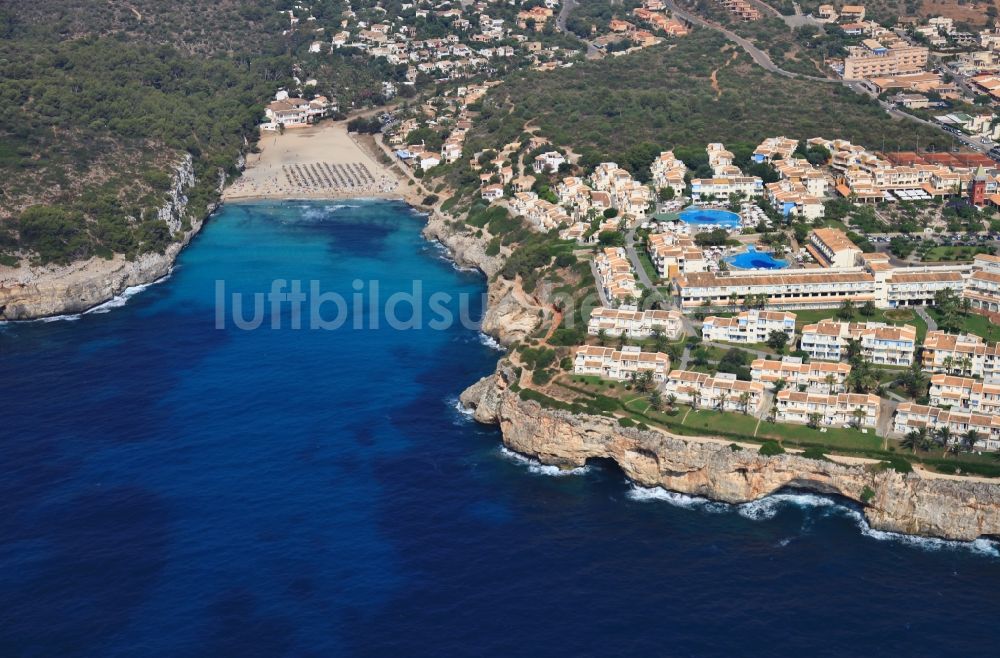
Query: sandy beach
[318, 162]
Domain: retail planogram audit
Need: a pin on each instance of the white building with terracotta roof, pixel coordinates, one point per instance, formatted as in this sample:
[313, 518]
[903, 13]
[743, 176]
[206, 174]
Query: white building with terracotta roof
[960, 354]
[982, 288]
[775, 148]
[631, 322]
[911, 416]
[753, 326]
[965, 394]
[828, 410]
[815, 376]
[673, 254]
[880, 343]
[616, 276]
[789, 289]
[832, 248]
[723, 391]
[622, 364]
[668, 172]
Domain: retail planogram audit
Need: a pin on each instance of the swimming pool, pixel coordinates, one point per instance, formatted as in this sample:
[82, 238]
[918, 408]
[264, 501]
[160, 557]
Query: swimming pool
[751, 259]
[710, 216]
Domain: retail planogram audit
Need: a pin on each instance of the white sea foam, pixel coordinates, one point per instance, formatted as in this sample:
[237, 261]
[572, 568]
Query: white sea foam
[767, 508]
[538, 468]
[490, 342]
[121, 299]
[659, 494]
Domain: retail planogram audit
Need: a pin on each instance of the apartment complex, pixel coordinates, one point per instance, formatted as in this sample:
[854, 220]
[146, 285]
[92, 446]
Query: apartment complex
[883, 58]
[960, 354]
[668, 172]
[880, 343]
[965, 394]
[911, 416]
[631, 322]
[720, 187]
[815, 377]
[789, 289]
[615, 275]
[723, 392]
[752, 326]
[830, 410]
[982, 288]
[673, 254]
[622, 364]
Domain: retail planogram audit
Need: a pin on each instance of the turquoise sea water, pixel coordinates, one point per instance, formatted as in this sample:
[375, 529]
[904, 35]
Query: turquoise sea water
[173, 489]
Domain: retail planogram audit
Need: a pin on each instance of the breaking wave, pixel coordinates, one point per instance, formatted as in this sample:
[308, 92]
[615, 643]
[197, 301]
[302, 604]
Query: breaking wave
[491, 342]
[539, 468]
[647, 494]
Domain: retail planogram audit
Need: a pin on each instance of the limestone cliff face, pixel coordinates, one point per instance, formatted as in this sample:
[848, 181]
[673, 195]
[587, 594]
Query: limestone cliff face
[29, 292]
[510, 314]
[911, 504]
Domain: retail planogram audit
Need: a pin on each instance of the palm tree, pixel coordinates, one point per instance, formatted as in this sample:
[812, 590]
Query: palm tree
[602, 337]
[942, 436]
[966, 363]
[947, 362]
[915, 439]
[779, 384]
[859, 415]
[696, 398]
[659, 339]
[655, 400]
[814, 419]
[644, 381]
[745, 401]
[969, 440]
[734, 300]
[830, 381]
[720, 401]
[671, 400]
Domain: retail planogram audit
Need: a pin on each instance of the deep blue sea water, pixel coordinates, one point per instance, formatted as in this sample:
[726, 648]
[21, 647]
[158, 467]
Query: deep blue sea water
[172, 489]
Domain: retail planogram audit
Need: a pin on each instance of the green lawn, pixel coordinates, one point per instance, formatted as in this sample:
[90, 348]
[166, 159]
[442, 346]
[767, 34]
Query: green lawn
[707, 420]
[833, 437]
[647, 265]
[975, 324]
[947, 254]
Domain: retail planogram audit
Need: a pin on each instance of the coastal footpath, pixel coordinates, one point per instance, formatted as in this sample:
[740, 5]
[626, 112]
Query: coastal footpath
[712, 468]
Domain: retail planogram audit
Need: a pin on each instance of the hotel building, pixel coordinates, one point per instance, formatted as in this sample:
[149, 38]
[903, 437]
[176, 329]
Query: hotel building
[832, 248]
[789, 289]
[673, 254]
[873, 59]
[610, 363]
[815, 377]
[749, 327]
[839, 409]
[634, 323]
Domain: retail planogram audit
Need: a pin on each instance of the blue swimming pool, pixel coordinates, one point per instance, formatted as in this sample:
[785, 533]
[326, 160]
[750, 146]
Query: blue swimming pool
[709, 216]
[751, 259]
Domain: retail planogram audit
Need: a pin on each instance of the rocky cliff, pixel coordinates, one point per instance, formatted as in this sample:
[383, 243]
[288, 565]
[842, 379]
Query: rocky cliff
[511, 314]
[911, 504]
[29, 292]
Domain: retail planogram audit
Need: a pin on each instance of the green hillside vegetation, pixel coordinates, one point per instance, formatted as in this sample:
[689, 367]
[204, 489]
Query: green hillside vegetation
[627, 109]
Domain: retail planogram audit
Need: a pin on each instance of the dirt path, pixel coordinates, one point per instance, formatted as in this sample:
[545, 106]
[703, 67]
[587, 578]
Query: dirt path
[715, 76]
[557, 318]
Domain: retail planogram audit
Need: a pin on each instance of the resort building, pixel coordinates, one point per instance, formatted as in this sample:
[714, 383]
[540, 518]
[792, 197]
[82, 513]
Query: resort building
[792, 198]
[720, 187]
[880, 343]
[673, 254]
[723, 392]
[832, 248]
[815, 377]
[960, 354]
[913, 286]
[631, 322]
[752, 326]
[616, 276]
[622, 364]
[287, 112]
[548, 163]
[965, 394]
[790, 289]
[830, 410]
[668, 172]
[911, 416]
[775, 148]
[982, 288]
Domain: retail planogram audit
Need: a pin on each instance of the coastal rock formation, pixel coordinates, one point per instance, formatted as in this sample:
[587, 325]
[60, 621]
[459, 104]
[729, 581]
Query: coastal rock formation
[911, 504]
[511, 314]
[28, 292]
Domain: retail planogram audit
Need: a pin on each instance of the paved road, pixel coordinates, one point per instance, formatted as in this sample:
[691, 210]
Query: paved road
[567, 8]
[634, 259]
[597, 284]
[763, 60]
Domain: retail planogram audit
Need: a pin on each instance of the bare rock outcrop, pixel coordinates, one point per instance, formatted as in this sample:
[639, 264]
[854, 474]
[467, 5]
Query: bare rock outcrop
[891, 501]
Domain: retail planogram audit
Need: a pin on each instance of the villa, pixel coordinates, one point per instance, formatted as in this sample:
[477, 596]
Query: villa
[631, 322]
[880, 343]
[911, 416]
[548, 163]
[965, 394]
[775, 148]
[723, 392]
[829, 410]
[751, 326]
[815, 377]
[622, 364]
[287, 112]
